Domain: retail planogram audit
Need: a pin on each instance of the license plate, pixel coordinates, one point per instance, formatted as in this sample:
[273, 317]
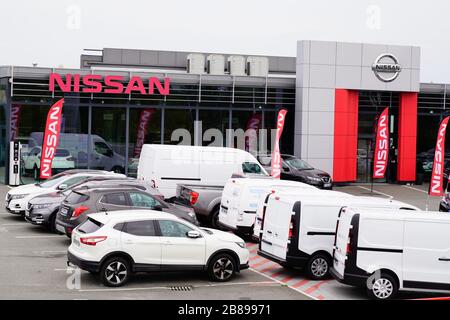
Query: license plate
[60, 228]
[64, 211]
[327, 185]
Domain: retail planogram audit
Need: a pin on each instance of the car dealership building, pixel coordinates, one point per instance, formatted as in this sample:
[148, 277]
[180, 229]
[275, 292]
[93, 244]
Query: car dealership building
[333, 91]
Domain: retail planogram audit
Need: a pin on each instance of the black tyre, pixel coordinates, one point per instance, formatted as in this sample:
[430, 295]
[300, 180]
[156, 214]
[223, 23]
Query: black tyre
[221, 268]
[318, 267]
[214, 220]
[383, 287]
[118, 170]
[115, 272]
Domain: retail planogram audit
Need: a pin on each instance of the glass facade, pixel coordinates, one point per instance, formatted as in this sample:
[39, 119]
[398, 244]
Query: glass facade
[101, 131]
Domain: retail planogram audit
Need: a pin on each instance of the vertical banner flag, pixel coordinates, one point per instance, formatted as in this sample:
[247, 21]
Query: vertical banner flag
[437, 175]
[15, 120]
[51, 138]
[142, 130]
[381, 155]
[253, 124]
[276, 155]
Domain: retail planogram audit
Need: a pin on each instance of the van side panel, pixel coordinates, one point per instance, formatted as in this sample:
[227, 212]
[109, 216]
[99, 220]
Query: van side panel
[426, 249]
[317, 228]
[380, 245]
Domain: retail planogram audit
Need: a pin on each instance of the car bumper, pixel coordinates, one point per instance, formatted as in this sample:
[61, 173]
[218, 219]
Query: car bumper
[16, 207]
[90, 266]
[292, 261]
[37, 218]
[244, 266]
[350, 279]
[65, 227]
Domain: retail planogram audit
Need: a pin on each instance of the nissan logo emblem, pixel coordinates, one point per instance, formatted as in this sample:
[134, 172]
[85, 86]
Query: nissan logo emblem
[386, 67]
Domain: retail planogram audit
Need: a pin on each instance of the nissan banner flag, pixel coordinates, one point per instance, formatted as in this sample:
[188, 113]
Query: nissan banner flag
[381, 155]
[276, 156]
[142, 130]
[437, 175]
[51, 138]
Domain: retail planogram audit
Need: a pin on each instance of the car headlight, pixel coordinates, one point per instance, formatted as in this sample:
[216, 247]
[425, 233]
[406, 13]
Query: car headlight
[18, 196]
[241, 244]
[41, 205]
[314, 179]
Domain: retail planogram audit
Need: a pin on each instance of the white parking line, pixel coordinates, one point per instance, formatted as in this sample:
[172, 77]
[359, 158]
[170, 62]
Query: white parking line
[419, 190]
[169, 287]
[36, 237]
[378, 192]
[284, 284]
[12, 224]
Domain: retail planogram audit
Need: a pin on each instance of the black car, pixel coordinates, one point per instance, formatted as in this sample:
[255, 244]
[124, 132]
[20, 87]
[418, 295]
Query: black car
[83, 201]
[296, 169]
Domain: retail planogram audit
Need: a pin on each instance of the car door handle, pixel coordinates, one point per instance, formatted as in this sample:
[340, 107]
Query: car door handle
[129, 242]
[168, 243]
[269, 232]
[444, 259]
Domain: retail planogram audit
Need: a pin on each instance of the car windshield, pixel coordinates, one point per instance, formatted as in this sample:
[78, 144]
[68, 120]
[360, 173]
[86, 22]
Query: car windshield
[298, 164]
[52, 182]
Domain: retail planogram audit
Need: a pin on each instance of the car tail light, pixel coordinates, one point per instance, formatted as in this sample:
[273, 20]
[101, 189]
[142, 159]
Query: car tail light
[78, 211]
[193, 197]
[291, 228]
[92, 241]
[349, 244]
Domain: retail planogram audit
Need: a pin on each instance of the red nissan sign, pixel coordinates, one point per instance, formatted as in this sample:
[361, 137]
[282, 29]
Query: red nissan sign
[15, 120]
[96, 83]
[142, 129]
[382, 146]
[51, 138]
[437, 175]
[276, 155]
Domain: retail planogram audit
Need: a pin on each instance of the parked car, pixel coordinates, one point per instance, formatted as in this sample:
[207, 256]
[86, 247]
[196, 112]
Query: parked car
[298, 230]
[385, 252]
[118, 245]
[83, 201]
[18, 197]
[62, 161]
[296, 169]
[42, 209]
[166, 166]
[92, 148]
[240, 197]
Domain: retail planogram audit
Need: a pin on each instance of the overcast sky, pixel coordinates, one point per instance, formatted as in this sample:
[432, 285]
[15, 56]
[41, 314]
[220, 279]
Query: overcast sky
[54, 32]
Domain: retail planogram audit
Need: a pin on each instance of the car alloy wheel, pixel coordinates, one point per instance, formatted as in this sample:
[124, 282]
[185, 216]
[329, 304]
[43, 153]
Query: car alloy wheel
[383, 288]
[319, 267]
[223, 269]
[115, 272]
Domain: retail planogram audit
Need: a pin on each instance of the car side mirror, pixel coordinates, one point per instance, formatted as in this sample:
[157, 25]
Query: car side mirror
[158, 208]
[62, 186]
[193, 234]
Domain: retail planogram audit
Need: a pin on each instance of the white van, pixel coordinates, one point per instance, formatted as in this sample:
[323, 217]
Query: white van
[262, 203]
[299, 230]
[386, 252]
[165, 166]
[240, 199]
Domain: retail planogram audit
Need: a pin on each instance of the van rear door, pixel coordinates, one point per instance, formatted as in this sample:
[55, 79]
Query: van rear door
[276, 221]
[342, 241]
[229, 203]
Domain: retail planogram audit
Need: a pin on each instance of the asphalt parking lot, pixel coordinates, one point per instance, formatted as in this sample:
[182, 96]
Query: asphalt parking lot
[33, 264]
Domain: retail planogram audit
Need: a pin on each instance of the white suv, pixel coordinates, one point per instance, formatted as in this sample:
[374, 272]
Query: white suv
[117, 244]
[16, 201]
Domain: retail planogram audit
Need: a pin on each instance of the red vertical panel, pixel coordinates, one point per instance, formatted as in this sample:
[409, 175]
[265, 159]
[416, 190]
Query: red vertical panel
[345, 135]
[407, 137]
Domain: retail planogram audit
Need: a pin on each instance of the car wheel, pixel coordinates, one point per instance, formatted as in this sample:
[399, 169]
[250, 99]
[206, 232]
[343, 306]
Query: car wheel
[215, 219]
[115, 272]
[36, 173]
[384, 287]
[52, 224]
[221, 268]
[318, 267]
